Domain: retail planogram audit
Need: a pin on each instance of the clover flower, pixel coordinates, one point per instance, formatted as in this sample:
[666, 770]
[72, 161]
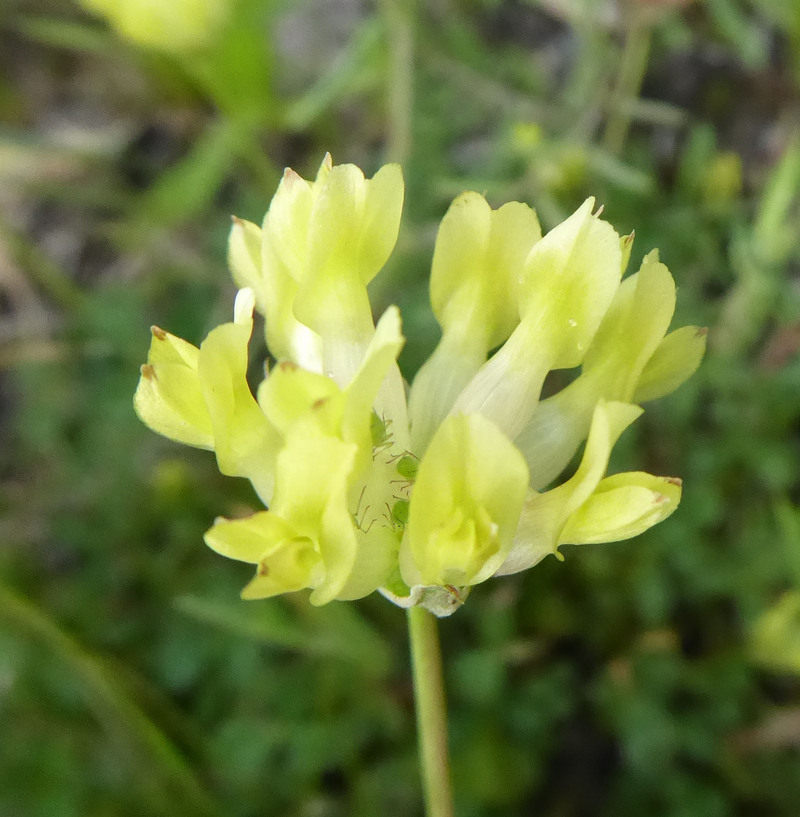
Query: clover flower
[422, 493]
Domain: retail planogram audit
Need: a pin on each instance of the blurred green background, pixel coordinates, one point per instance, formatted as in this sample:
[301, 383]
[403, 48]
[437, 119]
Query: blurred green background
[658, 676]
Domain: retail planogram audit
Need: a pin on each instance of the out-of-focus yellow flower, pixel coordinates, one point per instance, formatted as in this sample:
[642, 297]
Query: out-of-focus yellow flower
[775, 636]
[425, 501]
[170, 25]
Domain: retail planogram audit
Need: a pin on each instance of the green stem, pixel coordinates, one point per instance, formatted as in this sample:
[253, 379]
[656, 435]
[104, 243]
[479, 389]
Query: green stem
[426, 661]
[399, 17]
[41, 271]
[165, 775]
[629, 79]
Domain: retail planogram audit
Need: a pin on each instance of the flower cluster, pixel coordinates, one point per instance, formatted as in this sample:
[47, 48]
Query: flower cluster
[423, 492]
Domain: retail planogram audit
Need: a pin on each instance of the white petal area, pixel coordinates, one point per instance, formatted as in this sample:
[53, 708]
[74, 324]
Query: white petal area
[555, 431]
[440, 380]
[507, 387]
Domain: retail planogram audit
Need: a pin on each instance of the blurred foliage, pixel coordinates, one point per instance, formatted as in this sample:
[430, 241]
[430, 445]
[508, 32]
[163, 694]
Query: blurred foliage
[658, 676]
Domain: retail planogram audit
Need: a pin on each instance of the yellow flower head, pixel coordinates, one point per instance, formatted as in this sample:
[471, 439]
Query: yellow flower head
[170, 25]
[422, 493]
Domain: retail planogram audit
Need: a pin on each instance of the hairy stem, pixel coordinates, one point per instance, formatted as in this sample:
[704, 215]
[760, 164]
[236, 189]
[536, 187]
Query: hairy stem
[629, 79]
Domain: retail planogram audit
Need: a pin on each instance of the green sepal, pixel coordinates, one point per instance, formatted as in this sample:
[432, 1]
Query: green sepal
[441, 601]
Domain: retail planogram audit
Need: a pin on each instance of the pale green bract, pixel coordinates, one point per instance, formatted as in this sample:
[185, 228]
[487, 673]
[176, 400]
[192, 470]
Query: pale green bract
[422, 493]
